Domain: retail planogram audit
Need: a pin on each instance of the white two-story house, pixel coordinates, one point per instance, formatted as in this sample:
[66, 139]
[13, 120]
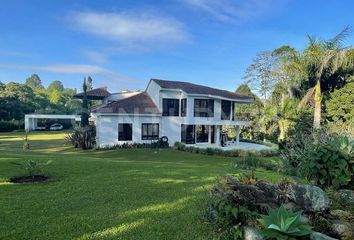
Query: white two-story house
[181, 111]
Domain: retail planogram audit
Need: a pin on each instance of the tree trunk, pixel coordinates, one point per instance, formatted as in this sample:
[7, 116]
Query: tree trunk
[318, 103]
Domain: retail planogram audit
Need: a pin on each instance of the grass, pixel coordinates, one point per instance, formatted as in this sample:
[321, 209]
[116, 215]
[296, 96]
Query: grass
[113, 194]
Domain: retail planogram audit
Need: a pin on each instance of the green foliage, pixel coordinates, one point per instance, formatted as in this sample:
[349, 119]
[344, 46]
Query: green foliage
[34, 82]
[84, 113]
[250, 162]
[7, 126]
[227, 217]
[156, 144]
[55, 85]
[32, 167]
[339, 107]
[82, 137]
[283, 224]
[227, 153]
[328, 165]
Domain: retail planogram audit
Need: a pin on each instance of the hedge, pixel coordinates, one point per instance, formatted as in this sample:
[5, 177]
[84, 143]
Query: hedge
[227, 153]
[9, 126]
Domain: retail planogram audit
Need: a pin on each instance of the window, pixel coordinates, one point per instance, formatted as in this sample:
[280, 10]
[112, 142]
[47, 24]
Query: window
[150, 131]
[170, 107]
[225, 110]
[203, 108]
[125, 132]
[187, 134]
[184, 107]
[202, 133]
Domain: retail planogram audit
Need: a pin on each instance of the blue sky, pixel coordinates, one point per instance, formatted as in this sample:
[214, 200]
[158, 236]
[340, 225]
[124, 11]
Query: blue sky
[122, 44]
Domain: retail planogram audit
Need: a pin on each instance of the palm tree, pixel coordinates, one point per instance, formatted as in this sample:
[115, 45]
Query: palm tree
[324, 58]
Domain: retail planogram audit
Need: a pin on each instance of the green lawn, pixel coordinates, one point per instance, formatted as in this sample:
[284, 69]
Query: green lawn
[115, 194]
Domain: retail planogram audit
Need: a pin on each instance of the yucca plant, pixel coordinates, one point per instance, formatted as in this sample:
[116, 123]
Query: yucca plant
[283, 224]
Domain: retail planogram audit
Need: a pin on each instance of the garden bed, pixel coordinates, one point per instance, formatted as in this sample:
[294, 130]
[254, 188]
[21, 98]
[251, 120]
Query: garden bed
[29, 179]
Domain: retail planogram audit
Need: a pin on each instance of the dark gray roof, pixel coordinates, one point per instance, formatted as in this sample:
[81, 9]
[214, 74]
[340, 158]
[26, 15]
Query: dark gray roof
[95, 94]
[191, 88]
[138, 104]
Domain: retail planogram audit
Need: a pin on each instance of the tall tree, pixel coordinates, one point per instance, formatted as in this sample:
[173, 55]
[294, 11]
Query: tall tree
[89, 83]
[324, 58]
[260, 74]
[84, 113]
[56, 85]
[34, 82]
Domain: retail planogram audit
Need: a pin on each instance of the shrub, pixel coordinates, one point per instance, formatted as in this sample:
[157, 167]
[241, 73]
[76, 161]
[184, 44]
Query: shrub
[251, 162]
[226, 216]
[227, 153]
[8, 126]
[161, 143]
[328, 166]
[82, 137]
[284, 224]
[32, 167]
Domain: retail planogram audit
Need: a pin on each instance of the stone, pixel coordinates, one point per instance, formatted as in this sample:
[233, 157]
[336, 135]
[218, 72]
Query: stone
[346, 198]
[320, 236]
[311, 198]
[343, 229]
[250, 233]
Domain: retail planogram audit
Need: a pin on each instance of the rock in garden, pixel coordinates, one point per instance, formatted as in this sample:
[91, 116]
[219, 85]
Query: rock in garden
[310, 197]
[320, 236]
[342, 228]
[250, 233]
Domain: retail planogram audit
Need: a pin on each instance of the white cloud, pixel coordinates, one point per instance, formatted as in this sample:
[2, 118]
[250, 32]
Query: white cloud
[127, 28]
[231, 10]
[81, 69]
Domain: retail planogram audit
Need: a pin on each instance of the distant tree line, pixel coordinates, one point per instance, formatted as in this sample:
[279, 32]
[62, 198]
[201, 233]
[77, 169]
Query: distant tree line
[17, 99]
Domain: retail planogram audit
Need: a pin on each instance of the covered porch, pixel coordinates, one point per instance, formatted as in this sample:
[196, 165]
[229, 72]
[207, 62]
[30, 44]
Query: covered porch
[203, 134]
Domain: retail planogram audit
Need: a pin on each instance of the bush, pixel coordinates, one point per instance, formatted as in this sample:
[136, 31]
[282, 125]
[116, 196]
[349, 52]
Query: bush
[250, 162]
[227, 153]
[161, 143]
[226, 216]
[327, 166]
[8, 126]
[82, 137]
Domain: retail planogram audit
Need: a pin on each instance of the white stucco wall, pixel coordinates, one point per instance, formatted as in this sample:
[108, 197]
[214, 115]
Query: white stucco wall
[107, 128]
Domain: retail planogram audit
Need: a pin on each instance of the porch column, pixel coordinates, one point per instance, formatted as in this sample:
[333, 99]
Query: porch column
[27, 123]
[217, 128]
[209, 134]
[238, 131]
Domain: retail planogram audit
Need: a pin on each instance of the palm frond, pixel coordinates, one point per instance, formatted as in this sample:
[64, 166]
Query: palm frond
[337, 41]
[308, 96]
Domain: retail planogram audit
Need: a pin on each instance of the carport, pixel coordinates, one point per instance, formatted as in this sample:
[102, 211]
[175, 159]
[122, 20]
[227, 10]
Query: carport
[31, 119]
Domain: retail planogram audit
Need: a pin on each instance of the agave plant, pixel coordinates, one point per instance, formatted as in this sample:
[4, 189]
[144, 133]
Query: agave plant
[283, 224]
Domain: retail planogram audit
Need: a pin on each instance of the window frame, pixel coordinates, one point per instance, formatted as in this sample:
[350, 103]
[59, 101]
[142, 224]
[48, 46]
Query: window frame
[168, 112]
[191, 129]
[208, 108]
[125, 133]
[200, 139]
[184, 102]
[225, 115]
[152, 136]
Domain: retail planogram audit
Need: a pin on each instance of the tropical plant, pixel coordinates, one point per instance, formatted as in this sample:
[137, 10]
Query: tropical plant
[283, 224]
[329, 166]
[32, 167]
[84, 113]
[82, 137]
[324, 58]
